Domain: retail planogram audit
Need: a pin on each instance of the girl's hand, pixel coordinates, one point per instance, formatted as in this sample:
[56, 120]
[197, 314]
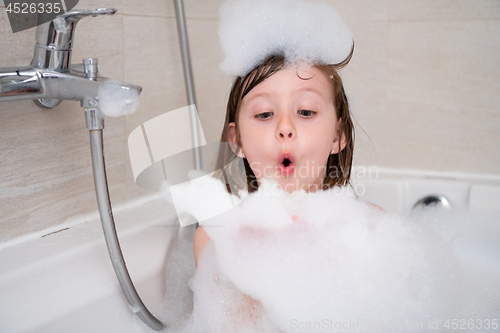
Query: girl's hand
[250, 308]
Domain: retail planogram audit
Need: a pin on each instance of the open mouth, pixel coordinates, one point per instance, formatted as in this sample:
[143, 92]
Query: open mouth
[286, 164]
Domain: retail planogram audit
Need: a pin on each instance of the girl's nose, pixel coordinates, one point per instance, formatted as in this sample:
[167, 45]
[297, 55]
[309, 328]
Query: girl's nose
[285, 135]
[285, 130]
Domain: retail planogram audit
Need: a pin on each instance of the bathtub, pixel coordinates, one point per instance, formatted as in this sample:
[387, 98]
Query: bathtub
[64, 281]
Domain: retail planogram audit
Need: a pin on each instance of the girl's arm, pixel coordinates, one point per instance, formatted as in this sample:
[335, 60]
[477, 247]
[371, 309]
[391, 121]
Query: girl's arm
[199, 242]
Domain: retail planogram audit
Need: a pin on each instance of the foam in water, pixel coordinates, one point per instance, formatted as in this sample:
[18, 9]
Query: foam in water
[115, 100]
[251, 30]
[280, 261]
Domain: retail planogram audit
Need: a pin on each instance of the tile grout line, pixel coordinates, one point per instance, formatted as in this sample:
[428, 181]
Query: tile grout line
[200, 18]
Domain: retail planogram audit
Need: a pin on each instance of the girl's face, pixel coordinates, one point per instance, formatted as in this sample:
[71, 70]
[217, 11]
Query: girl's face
[288, 127]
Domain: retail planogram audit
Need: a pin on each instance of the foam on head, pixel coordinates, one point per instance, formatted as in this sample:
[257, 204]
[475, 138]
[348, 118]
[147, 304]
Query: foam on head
[251, 30]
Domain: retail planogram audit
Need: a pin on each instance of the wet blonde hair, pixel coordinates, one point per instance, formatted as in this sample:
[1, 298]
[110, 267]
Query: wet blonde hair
[338, 168]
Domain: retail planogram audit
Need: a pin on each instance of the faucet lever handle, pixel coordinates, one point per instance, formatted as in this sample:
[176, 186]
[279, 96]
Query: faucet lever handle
[77, 15]
[54, 39]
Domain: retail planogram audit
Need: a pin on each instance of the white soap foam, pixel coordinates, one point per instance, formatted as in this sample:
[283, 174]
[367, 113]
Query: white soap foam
[251, 30]
[325, 259]
[115, 100]
[230, 310]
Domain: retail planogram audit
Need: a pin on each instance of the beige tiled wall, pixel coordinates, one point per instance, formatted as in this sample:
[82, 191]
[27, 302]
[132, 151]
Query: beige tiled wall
[423, 84]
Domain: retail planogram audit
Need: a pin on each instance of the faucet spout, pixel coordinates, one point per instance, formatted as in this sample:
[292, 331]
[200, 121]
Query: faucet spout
[39, 83]
[20, 83]
[76, 85]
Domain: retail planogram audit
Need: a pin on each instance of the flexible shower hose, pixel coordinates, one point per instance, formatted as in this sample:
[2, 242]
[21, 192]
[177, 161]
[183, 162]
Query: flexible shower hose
[95, 124]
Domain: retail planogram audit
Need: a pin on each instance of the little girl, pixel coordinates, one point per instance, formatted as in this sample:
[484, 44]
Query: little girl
[291, 124]
[288, 117]
[307, 258]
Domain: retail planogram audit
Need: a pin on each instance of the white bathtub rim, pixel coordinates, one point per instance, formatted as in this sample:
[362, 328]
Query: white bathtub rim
[385, 172]
[79, 219]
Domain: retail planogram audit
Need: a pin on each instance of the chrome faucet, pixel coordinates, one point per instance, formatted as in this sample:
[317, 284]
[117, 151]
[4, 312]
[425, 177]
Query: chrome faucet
[51, 77]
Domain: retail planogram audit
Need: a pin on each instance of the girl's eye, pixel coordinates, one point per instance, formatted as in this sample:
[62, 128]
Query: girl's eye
[264, 115]
[306, 113]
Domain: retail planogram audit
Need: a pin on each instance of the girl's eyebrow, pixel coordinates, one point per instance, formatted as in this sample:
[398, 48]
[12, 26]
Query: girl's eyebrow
[264, 94]
[308, 89]
[299, 90]
[259, 95]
